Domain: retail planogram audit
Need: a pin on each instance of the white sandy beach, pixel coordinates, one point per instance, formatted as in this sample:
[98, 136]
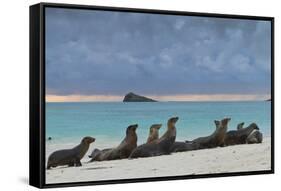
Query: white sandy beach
[236, 158]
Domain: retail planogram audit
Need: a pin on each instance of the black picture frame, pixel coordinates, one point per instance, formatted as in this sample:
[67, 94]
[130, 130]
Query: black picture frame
[37, 94]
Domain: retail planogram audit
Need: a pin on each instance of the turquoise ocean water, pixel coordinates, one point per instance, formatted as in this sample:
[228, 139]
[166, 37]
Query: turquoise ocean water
[107, 122]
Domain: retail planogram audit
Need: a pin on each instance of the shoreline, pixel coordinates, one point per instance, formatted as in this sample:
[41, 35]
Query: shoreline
[237, 158]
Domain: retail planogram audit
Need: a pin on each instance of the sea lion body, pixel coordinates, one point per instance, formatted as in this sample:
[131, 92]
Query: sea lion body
[159, 147]
[149, 150]
[153, 133]
[123, 150]
[184, 146]
[70, 157]
[216, 138]
[239, 136]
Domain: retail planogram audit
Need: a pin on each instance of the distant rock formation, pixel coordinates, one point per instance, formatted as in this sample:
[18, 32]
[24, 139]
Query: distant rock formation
[131, 97]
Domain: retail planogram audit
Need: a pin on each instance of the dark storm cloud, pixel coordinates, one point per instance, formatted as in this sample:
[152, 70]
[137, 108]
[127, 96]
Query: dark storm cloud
[97, 52]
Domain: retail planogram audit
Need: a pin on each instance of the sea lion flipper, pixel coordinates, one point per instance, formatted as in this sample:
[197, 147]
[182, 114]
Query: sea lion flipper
[78, 163]
[240, 125]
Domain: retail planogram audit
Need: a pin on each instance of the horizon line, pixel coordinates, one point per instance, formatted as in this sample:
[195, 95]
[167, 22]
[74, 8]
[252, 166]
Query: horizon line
[164, 98]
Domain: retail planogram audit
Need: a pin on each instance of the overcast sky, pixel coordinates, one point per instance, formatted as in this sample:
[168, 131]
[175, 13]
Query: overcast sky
[112, 53]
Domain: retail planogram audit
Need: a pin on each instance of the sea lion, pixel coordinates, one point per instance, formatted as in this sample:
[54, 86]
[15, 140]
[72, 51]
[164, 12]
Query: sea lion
[239, 136]
[70, 157]
[216, 138]
[153, 133]
[254, 137]
[123, 150]
[159, 147]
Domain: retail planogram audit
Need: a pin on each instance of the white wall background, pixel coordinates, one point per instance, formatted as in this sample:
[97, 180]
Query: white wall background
[14, 88]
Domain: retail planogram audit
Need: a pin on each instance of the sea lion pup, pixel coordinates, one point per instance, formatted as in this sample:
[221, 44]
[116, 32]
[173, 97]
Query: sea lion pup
[153, 133]
[70, 157]
[216, 138]
[239, 136]
[123, 150]
[159, 147]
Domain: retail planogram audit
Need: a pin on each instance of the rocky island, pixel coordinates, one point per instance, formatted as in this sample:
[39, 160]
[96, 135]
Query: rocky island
[131, 97]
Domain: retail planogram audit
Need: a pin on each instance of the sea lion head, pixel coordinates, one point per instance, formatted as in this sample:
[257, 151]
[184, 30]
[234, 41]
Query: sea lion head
[88, 140]
[225, 121]
[153, 133]
[222, 124]
[217, 123]
[155, 127]
[131, 128]
[254, 126]
[172, 121]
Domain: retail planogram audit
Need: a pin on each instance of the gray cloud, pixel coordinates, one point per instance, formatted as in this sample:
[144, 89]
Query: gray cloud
[97, 52]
